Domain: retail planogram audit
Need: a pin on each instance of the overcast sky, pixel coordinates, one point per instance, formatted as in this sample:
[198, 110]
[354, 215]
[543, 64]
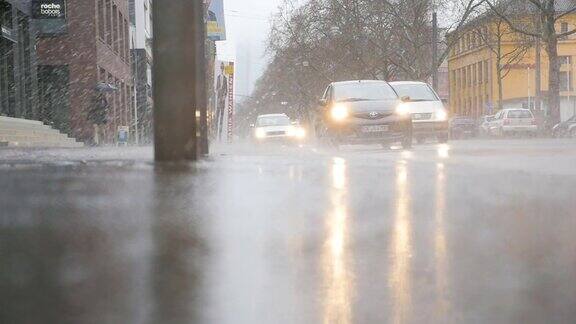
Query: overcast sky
[247, 24]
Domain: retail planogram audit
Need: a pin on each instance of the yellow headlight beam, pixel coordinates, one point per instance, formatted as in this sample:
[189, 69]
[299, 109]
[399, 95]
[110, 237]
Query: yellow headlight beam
[260, 133]
[441, 115]
[339, 112]
[403, 109]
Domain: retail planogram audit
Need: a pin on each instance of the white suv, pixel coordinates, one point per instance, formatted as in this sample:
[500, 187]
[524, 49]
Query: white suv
[514, 121]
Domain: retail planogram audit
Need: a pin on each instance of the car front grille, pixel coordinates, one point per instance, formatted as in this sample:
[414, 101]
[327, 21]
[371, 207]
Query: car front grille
[372, 115]
[427, 116]
[276, 133]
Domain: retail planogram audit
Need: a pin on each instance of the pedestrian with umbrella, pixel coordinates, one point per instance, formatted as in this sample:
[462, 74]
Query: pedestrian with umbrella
[98, 114]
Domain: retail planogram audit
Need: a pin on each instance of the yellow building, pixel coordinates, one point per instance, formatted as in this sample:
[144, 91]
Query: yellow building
[473, 74]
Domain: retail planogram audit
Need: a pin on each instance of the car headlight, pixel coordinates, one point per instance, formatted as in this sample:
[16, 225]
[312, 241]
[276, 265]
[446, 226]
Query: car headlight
[297, 132]
[300, 132]
[259, 133]
[441, 115]
[403, 109]
[339, 112]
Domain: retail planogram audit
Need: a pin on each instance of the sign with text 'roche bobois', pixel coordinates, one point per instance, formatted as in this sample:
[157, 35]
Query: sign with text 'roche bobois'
[49, 9]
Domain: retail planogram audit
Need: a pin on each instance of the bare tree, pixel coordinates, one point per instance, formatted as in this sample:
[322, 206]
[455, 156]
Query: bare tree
[320, 41]
[493, 31]
[548, 13]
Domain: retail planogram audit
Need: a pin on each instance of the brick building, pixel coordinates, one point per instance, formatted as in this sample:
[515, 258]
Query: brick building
[18, 80]
[87, 52]
[141, 19]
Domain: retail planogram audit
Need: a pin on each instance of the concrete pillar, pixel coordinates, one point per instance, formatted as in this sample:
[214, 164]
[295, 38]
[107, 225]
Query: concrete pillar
[178, 48]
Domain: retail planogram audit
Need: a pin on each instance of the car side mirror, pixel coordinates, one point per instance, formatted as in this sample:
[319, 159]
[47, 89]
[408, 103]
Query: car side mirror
[252, 125]
[323, 102]
[405, 99]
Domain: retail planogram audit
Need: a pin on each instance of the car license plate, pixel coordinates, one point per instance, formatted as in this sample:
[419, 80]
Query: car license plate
[375, 128]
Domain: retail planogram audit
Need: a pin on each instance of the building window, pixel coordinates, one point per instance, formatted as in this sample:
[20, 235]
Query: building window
[115, 28]
[146, 21]
[126, 41]
[486, 72]
[565, 81]
[480, 74]
[101, 20]
[564, 27]
[480, 106]
[108, 22]
[101, 75]
[564, 60]
[148, 74]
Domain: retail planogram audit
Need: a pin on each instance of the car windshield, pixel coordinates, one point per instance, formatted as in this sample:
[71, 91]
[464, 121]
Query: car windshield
[416, 92]
[273, 121]
[363, 91]
[519, 114]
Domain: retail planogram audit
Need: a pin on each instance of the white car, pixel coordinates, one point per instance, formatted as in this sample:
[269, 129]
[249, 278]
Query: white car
[512, 122]
[429, 116]
[277, 127]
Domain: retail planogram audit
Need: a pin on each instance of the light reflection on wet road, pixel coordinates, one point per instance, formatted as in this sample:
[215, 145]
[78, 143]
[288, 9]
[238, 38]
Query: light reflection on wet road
[401, 249]
[337, 270]
[453, 233]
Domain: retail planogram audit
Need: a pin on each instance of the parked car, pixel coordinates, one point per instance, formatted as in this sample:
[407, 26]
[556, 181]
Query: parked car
[514, 122]
[277, 128]
[566, 128]
[462, 127]
[361, 112]
[429, 116]
[484, 124]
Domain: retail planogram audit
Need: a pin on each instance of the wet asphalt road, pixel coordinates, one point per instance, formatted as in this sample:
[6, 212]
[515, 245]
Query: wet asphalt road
[470, 232]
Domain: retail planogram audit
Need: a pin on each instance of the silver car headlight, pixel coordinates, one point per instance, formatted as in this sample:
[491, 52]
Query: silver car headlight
[260, 133]
[441, 115]
[339, 112]
[403, 109]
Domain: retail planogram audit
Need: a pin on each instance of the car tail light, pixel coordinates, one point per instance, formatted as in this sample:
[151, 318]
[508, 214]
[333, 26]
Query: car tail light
[506, 121]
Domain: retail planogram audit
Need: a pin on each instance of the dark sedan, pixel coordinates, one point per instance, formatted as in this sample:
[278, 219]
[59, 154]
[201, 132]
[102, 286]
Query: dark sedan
[363, 112]
[463, 127]
[566, 128]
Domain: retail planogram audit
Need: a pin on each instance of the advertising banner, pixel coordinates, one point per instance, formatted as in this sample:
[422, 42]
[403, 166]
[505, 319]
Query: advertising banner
[216, 25]
[222, 115]
[49, 16]
[230, 73]
[49, 9]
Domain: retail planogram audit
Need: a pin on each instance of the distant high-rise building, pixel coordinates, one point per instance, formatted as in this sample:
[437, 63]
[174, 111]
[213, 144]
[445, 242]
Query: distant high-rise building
[141, 50]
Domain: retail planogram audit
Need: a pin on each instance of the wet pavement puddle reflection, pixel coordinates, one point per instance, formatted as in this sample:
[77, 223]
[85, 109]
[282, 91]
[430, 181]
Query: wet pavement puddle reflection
[337, 270]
